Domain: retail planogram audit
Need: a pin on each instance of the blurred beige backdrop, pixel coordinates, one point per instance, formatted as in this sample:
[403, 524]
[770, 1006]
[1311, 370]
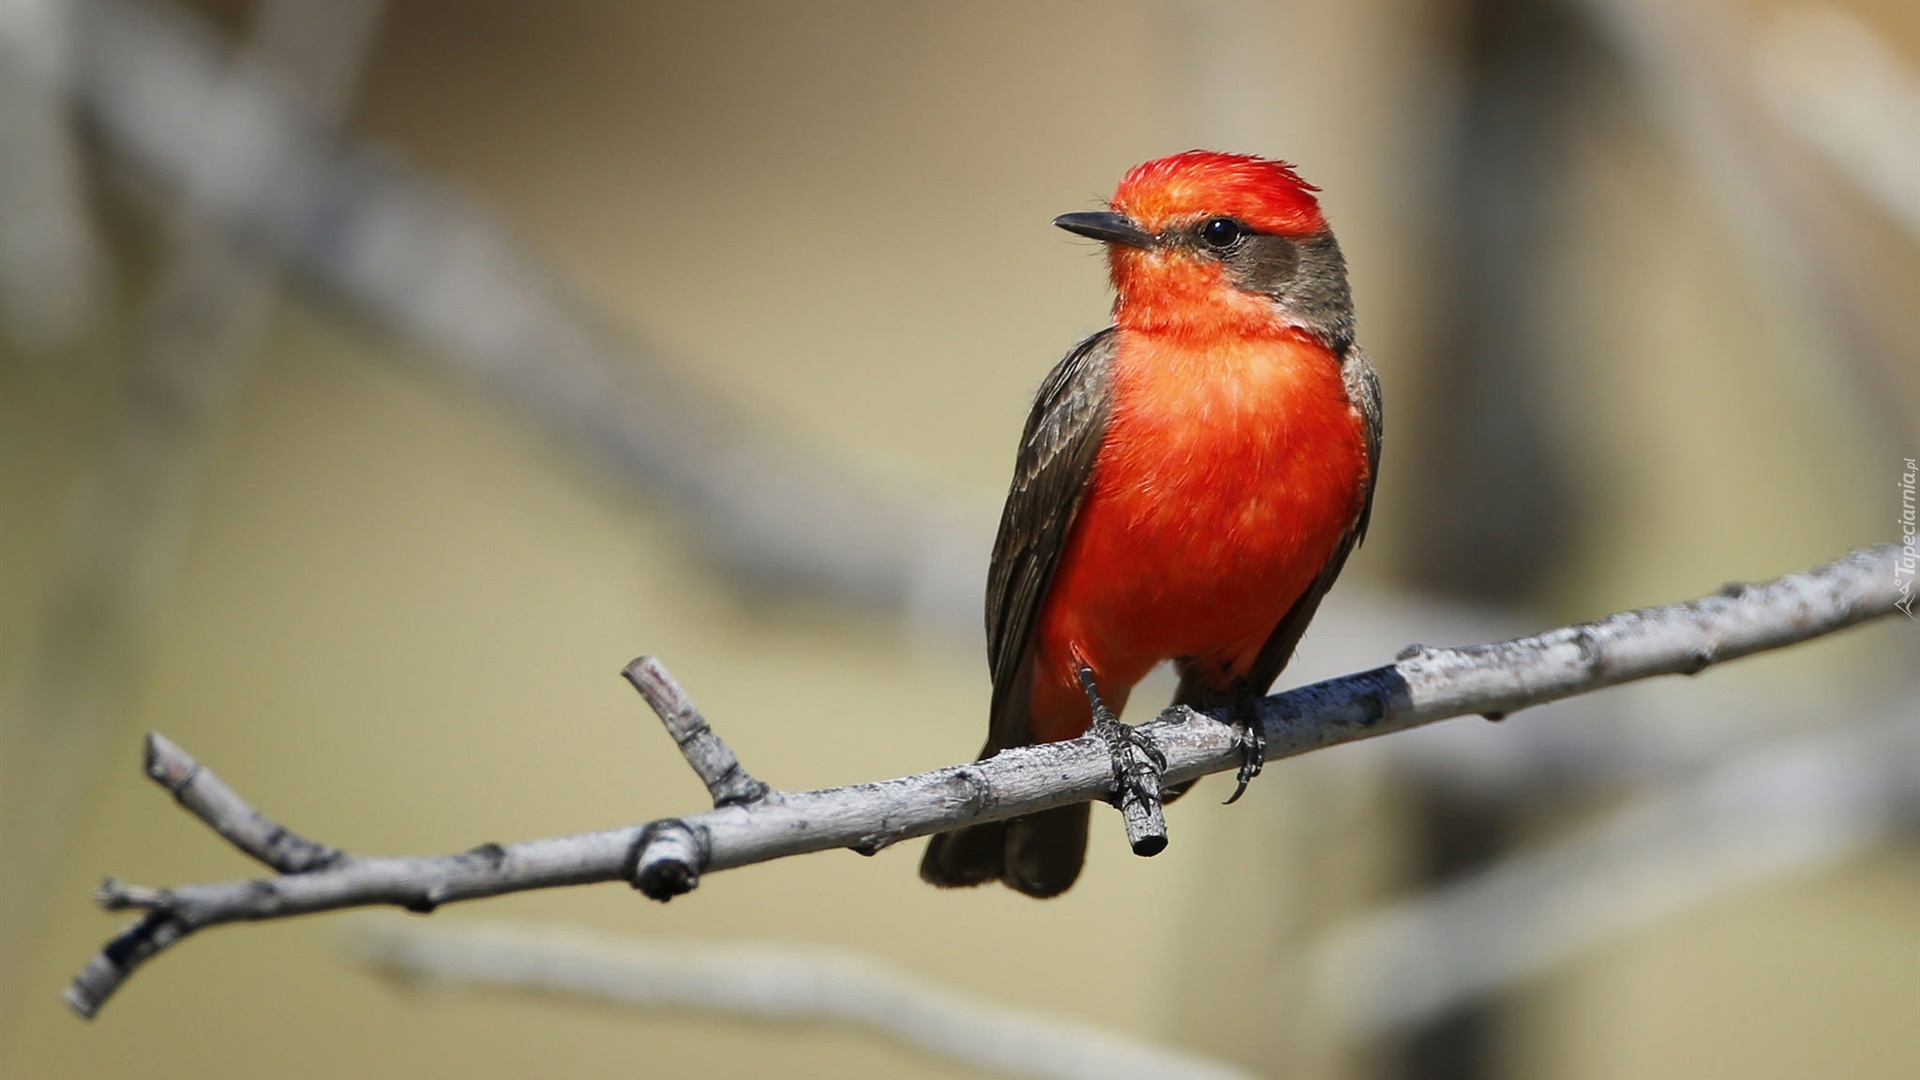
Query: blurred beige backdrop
[397, 619]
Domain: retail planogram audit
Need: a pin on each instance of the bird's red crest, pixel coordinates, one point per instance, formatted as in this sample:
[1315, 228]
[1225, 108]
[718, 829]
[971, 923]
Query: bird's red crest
[1265, 194]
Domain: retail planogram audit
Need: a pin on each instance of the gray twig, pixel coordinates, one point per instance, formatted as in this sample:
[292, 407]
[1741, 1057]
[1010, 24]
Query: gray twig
[715, 764]
[208, 798]
[666, 857]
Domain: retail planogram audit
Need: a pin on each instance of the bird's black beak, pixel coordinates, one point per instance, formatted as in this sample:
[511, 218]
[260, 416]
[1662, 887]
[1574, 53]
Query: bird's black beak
[1113, 228]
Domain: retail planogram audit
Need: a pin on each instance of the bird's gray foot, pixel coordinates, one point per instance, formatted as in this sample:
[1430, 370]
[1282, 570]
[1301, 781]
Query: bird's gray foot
[1130, 770]
[1252, 734]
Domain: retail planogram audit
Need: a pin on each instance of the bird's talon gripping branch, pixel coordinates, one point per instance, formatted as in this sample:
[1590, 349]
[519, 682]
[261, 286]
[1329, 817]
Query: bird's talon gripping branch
[1122, 740]
[1137, 767]
[1252, 737]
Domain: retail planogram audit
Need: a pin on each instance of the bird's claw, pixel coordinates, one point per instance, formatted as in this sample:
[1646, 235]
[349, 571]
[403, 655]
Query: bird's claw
[1251, 734]
[1129, 773]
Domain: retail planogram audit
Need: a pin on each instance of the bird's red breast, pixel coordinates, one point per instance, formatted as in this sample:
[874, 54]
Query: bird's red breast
[1232, 466]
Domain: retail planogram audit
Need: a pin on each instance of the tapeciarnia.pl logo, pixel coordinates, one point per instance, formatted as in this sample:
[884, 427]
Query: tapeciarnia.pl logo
[1903, 569]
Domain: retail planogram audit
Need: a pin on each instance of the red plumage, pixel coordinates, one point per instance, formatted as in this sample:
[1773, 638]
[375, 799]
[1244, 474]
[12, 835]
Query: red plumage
[1230, 470]
[1189, 484]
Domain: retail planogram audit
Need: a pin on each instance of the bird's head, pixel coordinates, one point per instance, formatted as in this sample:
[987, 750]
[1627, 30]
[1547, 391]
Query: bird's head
[1204, 243]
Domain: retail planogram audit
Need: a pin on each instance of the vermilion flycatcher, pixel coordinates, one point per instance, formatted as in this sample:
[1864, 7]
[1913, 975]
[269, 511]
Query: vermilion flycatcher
[1190, 482]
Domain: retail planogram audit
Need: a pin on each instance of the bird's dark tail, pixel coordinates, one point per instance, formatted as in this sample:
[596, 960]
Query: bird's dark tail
[1039, 854]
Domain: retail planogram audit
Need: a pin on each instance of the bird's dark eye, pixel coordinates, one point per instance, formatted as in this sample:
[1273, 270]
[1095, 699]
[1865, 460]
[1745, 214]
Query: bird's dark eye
[1222, 233]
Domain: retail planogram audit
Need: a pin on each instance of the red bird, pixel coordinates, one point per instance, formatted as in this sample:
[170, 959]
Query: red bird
[1190, 482]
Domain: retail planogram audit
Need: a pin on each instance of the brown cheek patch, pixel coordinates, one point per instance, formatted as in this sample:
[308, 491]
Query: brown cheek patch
[1264, 264]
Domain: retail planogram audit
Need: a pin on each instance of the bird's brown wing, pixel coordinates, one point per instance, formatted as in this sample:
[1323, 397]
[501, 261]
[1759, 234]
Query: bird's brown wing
[1050, 478]
[1363, 390]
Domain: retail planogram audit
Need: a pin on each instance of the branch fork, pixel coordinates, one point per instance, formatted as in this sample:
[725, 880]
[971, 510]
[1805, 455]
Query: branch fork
[670, 855]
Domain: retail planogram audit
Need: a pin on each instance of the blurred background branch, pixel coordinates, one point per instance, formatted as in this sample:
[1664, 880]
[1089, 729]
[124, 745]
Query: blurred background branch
[1843, 91]
[49, 262]
[200, 328]
[767, 983]
[1688, 66]
[1793, 807]
[478, 308]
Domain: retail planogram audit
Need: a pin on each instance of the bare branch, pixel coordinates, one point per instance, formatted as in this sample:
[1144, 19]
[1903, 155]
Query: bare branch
[716, 765]
[771, 983]
[665, 858]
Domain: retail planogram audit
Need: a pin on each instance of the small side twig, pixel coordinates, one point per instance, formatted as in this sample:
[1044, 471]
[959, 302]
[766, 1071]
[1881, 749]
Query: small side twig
[1424, 686]
[669, 855]
[208, 798]
[712, 761]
